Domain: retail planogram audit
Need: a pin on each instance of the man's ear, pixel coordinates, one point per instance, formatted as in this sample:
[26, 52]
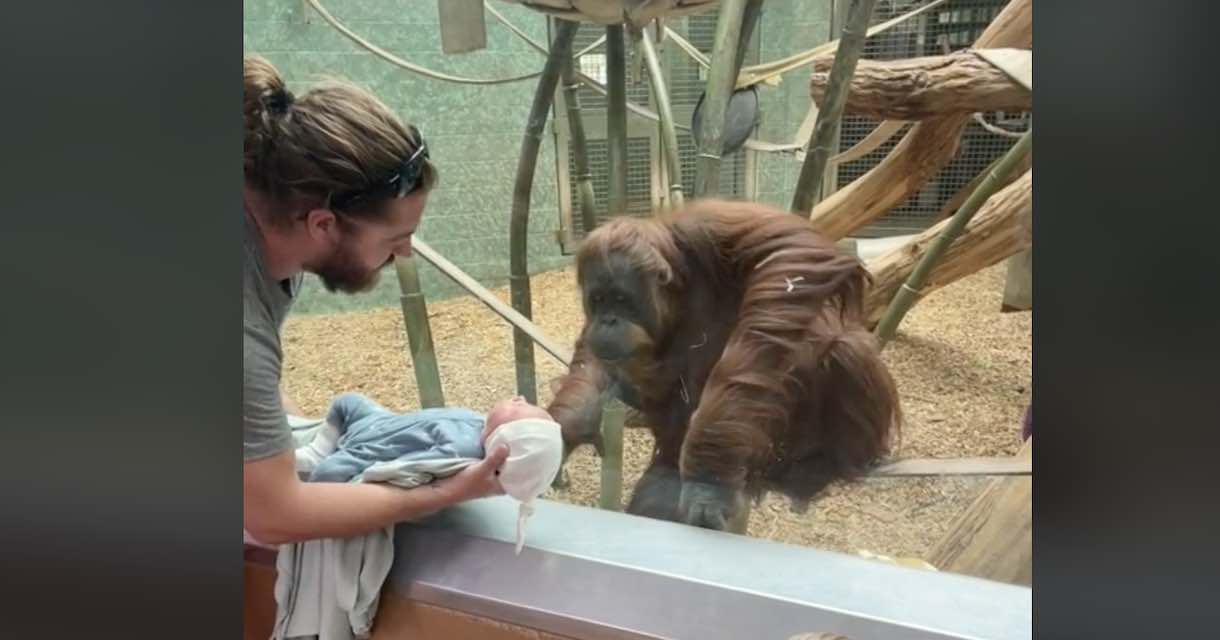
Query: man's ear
[320, 221]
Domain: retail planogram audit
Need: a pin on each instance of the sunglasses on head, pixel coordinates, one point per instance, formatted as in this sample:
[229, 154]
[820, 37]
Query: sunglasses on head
[400, 183]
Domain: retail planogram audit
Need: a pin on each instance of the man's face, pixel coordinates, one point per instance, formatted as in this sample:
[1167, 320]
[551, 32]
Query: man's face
[365, 247]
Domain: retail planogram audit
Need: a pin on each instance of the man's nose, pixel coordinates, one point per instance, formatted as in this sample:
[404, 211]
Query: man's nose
[404, 249]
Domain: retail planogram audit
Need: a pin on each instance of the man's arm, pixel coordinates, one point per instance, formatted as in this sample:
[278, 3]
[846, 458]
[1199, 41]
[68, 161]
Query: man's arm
[290, 407]
[279, 508]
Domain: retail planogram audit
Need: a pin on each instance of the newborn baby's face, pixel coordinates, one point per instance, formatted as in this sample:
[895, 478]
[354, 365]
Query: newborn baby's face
[511, 409]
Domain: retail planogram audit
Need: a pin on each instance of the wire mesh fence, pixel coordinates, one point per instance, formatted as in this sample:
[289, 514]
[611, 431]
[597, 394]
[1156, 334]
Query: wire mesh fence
[646, 182]
[950, 27]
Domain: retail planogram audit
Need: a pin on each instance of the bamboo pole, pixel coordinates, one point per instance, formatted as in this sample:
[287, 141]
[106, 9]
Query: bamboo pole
[527, 162]
[419, 334]
[616, 119]
[614, 414]
[851, 44]
[616, 147]
[580, 148]
[749, 19]
[908, 292]
[1002, 227]
[562, 356]
[669, 136]
[716, 98]
[955, 201]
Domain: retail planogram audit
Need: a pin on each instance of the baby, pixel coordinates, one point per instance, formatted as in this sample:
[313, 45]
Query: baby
[361, 441]
[358, 433]
[535, 453]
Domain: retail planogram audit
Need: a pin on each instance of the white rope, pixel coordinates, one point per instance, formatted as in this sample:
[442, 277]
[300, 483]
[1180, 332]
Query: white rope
[768, 71]
[393, 59]
[597, 87]
[978, 118]
[690, 49]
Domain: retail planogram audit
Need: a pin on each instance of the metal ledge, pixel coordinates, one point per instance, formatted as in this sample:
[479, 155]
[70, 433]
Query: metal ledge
[591, 573]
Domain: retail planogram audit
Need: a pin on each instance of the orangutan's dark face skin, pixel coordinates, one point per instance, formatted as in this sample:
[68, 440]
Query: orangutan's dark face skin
[619, 303]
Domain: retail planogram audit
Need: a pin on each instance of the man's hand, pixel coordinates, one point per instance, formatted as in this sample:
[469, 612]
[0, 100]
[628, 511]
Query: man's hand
[476, 481]
[279, 508]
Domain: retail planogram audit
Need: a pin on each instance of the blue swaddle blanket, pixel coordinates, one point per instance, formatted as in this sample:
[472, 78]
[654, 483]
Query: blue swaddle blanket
[378, 445]
[329, 589]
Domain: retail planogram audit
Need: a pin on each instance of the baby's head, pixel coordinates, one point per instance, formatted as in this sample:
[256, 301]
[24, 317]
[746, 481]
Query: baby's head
[535, 452]
[511, 409]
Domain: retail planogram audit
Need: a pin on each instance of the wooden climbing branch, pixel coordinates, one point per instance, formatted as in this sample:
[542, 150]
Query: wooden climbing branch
[920, 88]
[1002, 228]
[993, 538]
[922, 152]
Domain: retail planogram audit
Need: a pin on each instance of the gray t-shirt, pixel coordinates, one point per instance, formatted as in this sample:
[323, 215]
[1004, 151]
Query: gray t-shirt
[266, 304]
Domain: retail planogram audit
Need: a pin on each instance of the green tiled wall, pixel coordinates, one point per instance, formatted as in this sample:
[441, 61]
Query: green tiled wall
[475, 130]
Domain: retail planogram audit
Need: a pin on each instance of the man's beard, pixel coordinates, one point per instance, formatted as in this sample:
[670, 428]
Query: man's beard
[342, 272]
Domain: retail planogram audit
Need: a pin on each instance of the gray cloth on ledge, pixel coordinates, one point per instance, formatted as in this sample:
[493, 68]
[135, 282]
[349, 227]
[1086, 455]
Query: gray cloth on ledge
[328, 589]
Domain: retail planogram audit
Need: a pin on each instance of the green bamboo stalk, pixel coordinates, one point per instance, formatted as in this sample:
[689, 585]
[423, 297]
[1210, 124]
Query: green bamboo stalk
[616, 119]
[419, 334]
[851, 43]
[579, 147]
[669, 136]
[749, 18]
[613, 414]
[908, 293]
[482, 294]
[720, 82]
[527, 162]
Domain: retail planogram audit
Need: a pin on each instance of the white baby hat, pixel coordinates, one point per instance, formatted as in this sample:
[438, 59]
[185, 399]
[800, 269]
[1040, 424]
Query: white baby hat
[535, 451]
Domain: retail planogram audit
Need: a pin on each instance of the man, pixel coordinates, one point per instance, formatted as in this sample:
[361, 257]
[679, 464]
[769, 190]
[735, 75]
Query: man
[335, 185]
